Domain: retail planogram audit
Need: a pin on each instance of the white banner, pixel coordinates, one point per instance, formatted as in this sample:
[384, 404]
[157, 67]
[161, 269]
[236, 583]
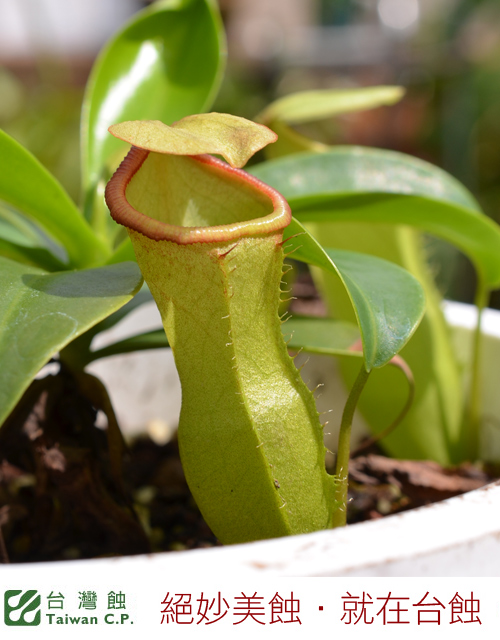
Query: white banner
[180, 606]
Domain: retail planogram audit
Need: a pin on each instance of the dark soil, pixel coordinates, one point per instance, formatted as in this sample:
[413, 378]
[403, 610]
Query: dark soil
[380, 486]
[69, 489]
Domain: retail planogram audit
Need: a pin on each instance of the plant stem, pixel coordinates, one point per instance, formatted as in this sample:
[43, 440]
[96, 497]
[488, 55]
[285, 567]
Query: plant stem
[339, 518]
[398, 362]
[474, 406]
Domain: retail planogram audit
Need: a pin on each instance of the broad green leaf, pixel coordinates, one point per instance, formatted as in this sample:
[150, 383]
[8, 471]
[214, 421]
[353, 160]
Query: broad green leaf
[387, 300]
[40, 313]
[166, 63]
[307, 106]
[25, 184]
[321, 335]
[370, 185]
[235, 139]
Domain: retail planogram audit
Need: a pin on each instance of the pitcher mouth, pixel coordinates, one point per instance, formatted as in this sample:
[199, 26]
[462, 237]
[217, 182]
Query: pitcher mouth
[124, 213]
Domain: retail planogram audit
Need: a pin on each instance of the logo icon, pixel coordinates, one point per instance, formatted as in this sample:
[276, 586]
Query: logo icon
[20, 608]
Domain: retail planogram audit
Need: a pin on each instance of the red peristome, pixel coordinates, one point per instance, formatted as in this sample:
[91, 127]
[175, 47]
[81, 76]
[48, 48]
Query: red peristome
[123, 213]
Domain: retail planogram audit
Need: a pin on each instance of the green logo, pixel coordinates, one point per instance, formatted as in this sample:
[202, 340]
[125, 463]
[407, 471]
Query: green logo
[20, 607]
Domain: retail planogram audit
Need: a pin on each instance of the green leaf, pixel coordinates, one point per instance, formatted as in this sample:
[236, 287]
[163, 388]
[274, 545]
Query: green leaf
[363, 189]
[166, 63]
[110, 321]
[307, 106]
[150, 340]
[34, 256]
[15, 228]
[25, 184]
[314, 335]
[387, 300]
[290, 141]
[19, 230]
[80, 347]
[123, 253]
[370, 185]
[322, 335]
[40, 313]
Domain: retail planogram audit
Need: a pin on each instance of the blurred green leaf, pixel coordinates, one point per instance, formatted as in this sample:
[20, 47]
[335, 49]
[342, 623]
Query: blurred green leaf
[314, 335]
[149, 340]
[166, 63]
[34, 256]
[387, 300]
[40, 313]
[15, 228]
[290, 141]
[358, 184]
[123, 252]
[80, 347]
[25, 184]
[141, 298]
[307, 106]
[322, 335]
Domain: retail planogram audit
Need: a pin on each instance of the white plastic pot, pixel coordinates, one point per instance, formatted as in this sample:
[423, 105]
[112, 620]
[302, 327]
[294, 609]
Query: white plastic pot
[456, 537]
